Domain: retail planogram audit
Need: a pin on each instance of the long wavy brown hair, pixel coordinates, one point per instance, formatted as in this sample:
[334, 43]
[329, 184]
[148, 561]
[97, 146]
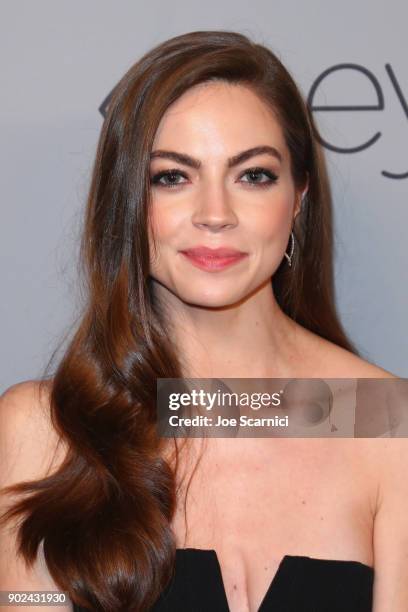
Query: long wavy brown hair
[104, 516]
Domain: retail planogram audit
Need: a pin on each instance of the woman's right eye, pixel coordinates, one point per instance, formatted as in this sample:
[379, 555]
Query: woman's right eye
[170, 175]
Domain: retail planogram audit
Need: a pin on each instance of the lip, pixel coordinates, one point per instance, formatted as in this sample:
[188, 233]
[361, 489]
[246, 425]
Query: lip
[213, 259]
[203, 251]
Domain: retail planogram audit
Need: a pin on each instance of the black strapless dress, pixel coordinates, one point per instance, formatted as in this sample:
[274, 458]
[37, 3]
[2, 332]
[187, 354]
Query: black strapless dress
[301, 584]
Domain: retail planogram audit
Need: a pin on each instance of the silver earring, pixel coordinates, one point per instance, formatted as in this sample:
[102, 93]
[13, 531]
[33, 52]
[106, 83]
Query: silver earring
[292, 249]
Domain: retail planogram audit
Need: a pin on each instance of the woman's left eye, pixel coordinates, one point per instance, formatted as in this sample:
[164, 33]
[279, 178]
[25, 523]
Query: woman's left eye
[256, 173]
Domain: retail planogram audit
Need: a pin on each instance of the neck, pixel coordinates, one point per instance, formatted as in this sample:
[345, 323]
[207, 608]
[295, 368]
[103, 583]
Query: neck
[251, 339]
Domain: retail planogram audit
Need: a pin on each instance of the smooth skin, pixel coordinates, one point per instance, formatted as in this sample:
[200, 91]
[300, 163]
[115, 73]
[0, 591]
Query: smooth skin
[252, 500]
[216, 205]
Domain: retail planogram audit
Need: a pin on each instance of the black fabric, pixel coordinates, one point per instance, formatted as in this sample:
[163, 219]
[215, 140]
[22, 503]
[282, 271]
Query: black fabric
[301, 584]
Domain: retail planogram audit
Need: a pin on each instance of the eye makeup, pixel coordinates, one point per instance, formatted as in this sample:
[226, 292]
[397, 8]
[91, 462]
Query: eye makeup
[173, 174]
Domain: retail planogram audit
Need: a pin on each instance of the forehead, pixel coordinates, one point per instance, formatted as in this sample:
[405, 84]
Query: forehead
[219, 117]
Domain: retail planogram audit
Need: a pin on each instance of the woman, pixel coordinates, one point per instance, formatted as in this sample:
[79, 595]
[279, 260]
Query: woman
[207, 144]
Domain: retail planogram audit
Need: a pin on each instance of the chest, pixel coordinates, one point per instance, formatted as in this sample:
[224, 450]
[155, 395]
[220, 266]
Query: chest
[255, 504]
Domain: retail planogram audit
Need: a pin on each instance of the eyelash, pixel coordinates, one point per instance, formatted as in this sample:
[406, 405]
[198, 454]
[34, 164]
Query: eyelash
[174, 172]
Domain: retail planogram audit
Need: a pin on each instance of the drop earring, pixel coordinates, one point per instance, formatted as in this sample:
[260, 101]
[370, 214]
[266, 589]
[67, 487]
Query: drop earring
[292, 249]
[292, 236]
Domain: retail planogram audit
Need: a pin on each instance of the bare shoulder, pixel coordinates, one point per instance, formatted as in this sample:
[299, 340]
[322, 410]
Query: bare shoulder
[30, 449]
[384, 464]
[329, 360]
[348, 365]
[390, 538]
[29, 444]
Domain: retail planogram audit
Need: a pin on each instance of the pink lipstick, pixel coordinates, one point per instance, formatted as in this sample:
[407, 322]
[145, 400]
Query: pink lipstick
[213, 259]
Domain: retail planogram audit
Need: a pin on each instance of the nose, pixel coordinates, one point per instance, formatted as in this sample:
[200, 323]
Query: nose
[214, 208]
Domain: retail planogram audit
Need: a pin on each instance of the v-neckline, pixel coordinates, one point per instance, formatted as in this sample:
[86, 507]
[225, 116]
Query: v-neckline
[272, 585]
[276, 579]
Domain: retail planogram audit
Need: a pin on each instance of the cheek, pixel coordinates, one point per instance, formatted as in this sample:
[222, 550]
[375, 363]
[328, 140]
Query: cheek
[271, 221]
[269, 226]
[166, 219]
[165, 225]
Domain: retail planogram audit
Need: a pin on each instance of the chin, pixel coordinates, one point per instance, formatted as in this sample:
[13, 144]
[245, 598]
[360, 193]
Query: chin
[207, 299]
[201, 293]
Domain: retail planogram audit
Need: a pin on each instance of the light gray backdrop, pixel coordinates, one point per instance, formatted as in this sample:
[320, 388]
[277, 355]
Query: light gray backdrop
[60, 59]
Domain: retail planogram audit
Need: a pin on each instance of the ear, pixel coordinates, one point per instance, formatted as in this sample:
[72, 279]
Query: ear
[300, 195]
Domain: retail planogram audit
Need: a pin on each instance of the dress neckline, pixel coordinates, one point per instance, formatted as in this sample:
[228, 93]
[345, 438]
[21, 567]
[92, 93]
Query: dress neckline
[282, 567]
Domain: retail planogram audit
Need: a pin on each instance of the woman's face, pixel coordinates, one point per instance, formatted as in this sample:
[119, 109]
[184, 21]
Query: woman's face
[216, 196]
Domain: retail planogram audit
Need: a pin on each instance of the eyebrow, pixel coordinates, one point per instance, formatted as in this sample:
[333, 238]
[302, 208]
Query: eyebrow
[187, 160]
